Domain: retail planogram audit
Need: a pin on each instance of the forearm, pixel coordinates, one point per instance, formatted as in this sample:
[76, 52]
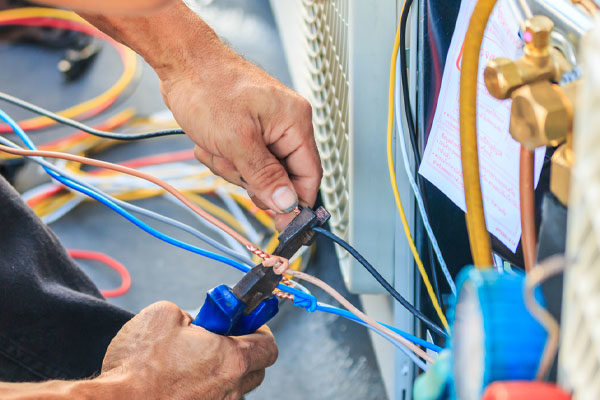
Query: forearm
[101, 388]
[169, 40]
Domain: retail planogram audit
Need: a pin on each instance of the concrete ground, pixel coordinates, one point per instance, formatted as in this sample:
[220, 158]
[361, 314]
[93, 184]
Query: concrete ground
[321, 356]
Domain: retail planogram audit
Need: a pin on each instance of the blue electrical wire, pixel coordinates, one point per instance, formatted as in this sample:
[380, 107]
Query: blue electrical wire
[415, 188]
[305, 300]
[347, 314]
[385, 284]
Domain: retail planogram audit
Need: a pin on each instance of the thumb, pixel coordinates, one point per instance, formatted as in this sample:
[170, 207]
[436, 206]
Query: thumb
[264, 174]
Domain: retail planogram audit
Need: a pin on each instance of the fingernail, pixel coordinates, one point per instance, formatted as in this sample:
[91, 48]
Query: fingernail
[285, 199]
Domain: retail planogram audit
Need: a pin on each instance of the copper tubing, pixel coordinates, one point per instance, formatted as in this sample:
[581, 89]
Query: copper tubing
[527, 201]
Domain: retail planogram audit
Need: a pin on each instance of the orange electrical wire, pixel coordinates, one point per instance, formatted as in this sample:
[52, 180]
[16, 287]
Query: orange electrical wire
[527, 204]
[48, 17]
[279, 264]
[350, 307]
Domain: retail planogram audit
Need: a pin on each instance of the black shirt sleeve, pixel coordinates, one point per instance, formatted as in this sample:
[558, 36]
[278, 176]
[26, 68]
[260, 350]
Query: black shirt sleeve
[54, 323]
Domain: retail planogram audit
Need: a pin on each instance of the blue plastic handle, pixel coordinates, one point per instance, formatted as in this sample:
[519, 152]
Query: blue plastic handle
[222, 313]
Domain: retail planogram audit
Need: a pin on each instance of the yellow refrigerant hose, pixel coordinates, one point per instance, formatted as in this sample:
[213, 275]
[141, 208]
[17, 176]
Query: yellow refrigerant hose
[479, 237]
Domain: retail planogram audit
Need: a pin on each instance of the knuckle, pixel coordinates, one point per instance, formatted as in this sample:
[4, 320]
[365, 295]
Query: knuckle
[166, 307]
[272, 352]
[304, 108]
[240, 363]
[267, 173]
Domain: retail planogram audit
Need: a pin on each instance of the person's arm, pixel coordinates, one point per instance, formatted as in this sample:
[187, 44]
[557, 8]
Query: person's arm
[247, 126]
[105, 387]
[110, 6]
[159, 355]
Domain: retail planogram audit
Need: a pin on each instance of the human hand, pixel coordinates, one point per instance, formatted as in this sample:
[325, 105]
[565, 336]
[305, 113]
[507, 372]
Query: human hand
[162, 356]
[248, 128]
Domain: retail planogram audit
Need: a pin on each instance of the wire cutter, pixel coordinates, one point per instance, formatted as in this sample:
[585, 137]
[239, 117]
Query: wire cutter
[251, 303]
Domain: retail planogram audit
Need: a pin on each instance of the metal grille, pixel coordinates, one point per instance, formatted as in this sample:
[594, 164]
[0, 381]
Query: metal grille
[326, 34]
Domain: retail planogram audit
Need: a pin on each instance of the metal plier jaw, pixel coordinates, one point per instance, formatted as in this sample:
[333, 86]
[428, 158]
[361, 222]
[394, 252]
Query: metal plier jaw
[250, 304]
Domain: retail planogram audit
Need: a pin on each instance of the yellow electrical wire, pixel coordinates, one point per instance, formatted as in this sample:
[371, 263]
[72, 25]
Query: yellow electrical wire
[260, 215]
[215, 210]
[129, 61]
[53, 203]
[479, 238]
[390, 160]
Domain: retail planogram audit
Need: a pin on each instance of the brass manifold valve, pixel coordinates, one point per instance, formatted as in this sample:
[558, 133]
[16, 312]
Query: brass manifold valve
[542, 111]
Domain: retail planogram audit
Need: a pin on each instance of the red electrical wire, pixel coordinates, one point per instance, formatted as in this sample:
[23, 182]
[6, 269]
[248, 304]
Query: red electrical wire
[34, 201]
[73, 26]
[110, 262]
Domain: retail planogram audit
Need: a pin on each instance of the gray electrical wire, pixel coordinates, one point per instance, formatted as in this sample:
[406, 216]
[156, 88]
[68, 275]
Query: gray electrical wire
[415, 188]
[140, 210]
[78, 125]
[413, 357]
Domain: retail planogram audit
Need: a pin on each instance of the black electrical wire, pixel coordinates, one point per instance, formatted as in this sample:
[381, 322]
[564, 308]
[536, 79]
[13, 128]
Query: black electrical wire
[78, 125]
[404, 80]
[386, 285]
[413, 135]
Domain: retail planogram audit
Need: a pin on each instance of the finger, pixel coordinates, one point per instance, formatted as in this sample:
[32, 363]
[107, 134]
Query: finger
[258, 350]
[252, 381]
[258, 203]
[283, 220]
[219, 166]
[298, 148]
[266, 177]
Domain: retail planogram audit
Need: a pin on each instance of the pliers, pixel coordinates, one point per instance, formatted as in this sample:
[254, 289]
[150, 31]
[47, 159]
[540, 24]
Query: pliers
[251, 303]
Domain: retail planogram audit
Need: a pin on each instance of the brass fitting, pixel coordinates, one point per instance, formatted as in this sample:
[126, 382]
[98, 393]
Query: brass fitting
[560, 173]
[541, 61]
[542, 114]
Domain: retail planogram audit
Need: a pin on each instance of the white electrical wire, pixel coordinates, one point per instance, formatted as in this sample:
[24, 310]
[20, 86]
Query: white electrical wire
[238, 214]
[413, 183]
[231, 242]
[62, 211]
[151, 214]
[413, 357]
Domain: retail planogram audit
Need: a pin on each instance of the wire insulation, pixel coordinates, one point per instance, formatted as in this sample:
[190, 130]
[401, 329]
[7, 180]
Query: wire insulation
[295, 292]
[350, 307]
[390, 160]
[48, 17]
[110, 262]
[386, 285]
[416, 191]
[549, 268]
[88, 129]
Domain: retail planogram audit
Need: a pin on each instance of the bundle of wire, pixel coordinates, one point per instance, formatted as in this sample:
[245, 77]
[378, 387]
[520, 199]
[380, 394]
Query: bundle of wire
[398, 200]
[402, 340]
[54, 18]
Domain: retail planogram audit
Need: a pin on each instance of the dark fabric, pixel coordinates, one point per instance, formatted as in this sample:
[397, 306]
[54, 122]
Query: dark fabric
[54, 323]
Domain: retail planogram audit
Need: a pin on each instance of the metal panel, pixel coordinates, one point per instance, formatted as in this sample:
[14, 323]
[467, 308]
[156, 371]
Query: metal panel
[338, 52]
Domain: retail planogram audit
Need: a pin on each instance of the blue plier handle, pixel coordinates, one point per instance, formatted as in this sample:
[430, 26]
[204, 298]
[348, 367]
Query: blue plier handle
[250, 303]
